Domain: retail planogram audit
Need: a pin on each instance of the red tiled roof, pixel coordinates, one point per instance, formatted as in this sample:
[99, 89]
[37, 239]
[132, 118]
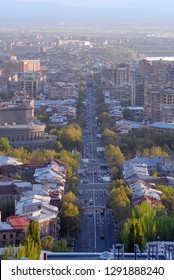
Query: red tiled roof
[18, 222]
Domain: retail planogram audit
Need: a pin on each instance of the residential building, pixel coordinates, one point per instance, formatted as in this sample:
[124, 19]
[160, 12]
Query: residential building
[13, 231]
[29, 65]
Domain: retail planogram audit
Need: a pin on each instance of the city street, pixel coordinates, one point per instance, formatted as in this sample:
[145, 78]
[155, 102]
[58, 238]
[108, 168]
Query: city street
[98, 225]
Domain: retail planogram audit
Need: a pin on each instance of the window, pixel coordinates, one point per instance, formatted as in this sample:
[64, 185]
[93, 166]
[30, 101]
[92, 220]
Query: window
[11, 235]
[4, 236]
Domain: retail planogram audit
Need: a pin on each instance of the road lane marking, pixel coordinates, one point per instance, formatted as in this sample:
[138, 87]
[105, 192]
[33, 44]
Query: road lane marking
[95, 237]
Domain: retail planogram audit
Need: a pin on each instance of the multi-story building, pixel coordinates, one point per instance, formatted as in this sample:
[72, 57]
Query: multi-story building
[119, 74]
[140, 90]
[17, 124]
[29, 65]
[28, 83]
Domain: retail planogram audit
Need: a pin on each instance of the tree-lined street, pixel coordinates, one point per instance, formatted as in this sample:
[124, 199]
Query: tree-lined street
[98, 226]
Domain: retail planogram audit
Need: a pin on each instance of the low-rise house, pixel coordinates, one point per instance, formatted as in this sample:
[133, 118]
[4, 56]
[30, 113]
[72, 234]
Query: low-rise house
[53, 172]
[141, 192]
[8, 191]
[13, 231]
[37, 207]
[136, 176]
[9, 166]
[162, 127]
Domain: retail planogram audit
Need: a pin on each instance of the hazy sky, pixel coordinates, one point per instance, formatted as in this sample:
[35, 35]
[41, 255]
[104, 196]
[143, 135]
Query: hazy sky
[113, 3]
[108, 10]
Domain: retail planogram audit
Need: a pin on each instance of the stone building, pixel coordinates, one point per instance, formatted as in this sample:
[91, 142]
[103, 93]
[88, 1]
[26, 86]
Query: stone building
[17, 124]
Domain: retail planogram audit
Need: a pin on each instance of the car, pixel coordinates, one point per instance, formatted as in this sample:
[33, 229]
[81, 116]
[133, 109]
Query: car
[90, 202]
[102, 236]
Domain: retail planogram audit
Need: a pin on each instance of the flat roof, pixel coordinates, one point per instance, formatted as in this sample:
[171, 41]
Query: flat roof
[162, 125]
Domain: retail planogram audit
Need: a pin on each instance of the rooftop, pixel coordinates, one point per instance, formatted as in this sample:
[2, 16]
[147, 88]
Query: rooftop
[5, 226]
[162, 125]
[5, 161]
[18, 222]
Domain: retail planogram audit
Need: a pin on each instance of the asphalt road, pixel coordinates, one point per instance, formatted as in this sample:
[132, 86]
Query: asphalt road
[98, 225]
[98, 233]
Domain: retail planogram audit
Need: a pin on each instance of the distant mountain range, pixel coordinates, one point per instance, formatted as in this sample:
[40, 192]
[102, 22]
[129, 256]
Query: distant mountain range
[51, 12]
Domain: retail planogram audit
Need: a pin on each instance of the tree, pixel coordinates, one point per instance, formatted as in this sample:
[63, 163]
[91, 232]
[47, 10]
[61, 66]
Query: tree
[154, 152]
[102, 107]
[7, 207]
[109, 137]
[72, 160]
[114, 155]
[73, 183]
[104, 121]
[21, 154]
[71, 137]
[69, 210]
[69, 216]
[119, 201]
[32, 251]
[33, 242]
[61, 246]
[132, 238]
[20, 252]
[4, 145]
[8, 253]
[128, 114]
[70, 197]
[49, 155]
[135, 236]
[167, 198]
[58, 146]
[139, 235]
[48, 243]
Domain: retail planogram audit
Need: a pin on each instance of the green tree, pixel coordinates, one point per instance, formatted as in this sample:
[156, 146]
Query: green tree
[167, 198]
[114, 155]
[135, 236]
[33, 242]
[48, 243]
[20, 252]
[8, 253]
[68, 209]
[4, 145]
[139, 235]
[119, 201]
[61, 246]
[71, 137]
[154, 152]
[104, 121]
[32, 251]
[128, 114]
[102, 107]
[132, 238]
[21, 154]
[69, 216]
[7, 208]
[58, 146]
[109, 137]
